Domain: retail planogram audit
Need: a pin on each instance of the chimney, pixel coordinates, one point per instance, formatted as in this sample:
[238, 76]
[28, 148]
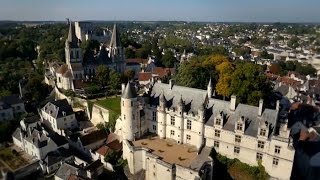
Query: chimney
[278, 105]
[123, 86]
[171, 83]
[260, 107]
[233, 102]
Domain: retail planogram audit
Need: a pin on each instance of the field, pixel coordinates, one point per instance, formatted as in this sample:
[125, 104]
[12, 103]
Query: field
[112, 104]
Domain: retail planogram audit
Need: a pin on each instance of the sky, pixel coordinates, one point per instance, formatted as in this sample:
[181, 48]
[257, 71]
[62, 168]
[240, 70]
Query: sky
[165, 10]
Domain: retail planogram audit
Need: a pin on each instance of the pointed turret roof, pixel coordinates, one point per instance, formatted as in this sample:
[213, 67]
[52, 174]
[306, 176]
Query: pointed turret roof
[115, 39]
[129, 92]
[72, 39]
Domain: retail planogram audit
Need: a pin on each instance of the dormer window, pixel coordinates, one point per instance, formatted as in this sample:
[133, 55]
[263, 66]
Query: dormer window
[263, 132]
[239, 126]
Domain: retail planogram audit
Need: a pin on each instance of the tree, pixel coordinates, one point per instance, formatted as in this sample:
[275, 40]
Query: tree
[249, 83]
[168, 60]
[275, 68]
[102, 75]
[114, 83]
[129, 74]
[112, 157]
[225, 70]
[293, 42]
[37, 90]
[266, 55]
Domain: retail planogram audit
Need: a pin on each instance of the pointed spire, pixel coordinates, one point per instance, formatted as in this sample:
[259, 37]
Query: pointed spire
[72, 39]
[129, 92]
[210, 83]
[115, 39]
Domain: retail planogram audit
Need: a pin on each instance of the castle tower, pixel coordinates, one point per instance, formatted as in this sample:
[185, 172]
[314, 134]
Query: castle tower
[116, 52]
[161, 116]
[72, 47]
[129, 113]
[201, 117]
[210, 89]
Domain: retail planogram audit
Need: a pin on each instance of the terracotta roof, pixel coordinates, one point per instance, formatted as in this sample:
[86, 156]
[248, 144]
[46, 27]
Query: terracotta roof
[62, 69]
[67, 74]
[289, 81]
[137, 60]
[307, 136]
[76, 67]
[162, 72]
[103, 150]
[78, 84]
[144, 76]
[75, 177]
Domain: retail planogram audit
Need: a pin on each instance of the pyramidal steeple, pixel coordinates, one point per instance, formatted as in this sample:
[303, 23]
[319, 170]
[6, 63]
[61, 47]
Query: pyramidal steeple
[72, 39]
[115, 39]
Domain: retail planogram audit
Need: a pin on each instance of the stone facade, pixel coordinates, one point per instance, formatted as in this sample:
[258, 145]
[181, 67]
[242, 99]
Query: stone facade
[194, 117]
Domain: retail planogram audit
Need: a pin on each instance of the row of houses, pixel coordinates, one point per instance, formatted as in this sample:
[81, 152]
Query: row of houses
[63, 146]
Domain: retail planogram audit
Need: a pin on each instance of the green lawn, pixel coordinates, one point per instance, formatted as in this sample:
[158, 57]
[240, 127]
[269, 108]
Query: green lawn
[112, 104]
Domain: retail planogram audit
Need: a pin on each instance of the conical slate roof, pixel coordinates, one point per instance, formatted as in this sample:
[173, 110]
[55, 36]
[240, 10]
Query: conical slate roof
[129, 92]
[115, 39]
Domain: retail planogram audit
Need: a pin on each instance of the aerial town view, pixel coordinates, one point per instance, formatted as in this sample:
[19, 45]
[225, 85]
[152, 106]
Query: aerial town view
[160, 90]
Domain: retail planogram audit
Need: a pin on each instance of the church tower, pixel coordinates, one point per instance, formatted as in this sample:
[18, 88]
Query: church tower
[129, 114]
[73, 54]
[72, 47]
[116, 52]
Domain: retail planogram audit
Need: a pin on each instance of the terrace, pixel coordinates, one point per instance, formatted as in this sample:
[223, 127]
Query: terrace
[173, 153]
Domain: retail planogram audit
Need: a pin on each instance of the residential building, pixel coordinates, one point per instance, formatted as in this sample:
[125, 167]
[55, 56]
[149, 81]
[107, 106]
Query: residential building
[37, 140]
[59, 116]
[11, 107]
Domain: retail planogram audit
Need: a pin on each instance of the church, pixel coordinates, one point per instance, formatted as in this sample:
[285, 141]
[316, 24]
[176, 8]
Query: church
[76, 69]
[170, 130]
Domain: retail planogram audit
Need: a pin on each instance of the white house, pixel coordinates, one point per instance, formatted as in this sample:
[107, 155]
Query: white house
[59, 116]
[35, 140]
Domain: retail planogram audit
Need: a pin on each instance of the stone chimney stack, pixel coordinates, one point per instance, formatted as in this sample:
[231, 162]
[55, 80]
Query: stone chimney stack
[233, 102]
[171, 83]
[123, 87]
[278, 105]
[260, 107]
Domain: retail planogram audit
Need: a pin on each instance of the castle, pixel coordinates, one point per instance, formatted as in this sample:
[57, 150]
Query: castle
[188, 123]
[69, 76]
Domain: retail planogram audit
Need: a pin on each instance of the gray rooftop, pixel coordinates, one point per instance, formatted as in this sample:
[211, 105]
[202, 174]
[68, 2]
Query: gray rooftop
[194, 98]
[129, 92]
[57, 108]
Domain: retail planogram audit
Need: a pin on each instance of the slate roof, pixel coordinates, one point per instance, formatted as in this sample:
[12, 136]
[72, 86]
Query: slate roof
[16, 134]
[66, 169]
[193, 99]
[115, 39]
[129, 92]
[56, 108]
[54, 157]
[93, 137]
